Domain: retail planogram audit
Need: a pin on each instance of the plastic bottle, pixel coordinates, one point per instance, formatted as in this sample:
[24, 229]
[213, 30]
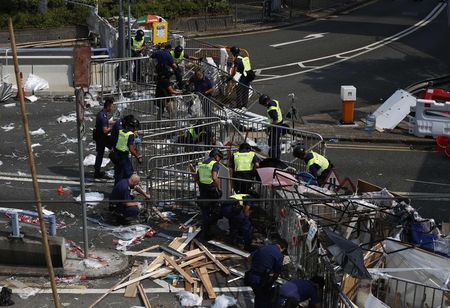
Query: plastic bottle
[370, 123]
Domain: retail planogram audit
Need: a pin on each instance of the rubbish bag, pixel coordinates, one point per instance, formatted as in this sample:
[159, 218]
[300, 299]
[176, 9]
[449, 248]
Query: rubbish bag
[5, 297]
[224, 301]
[36, 83]
[189, 299]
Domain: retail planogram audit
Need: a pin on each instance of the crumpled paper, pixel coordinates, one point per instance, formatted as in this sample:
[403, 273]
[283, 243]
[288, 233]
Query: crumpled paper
[36, 83]
[92, 197]
[224, 301]
[40, 131]
[90, 161]
[189, 299]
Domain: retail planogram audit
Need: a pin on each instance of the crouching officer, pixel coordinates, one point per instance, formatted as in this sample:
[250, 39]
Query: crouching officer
[244, 163]
[121, 200]
[267, 263]
[316, 164]
[237, 210]
[293, 292]
[209, 186]
[125, 145]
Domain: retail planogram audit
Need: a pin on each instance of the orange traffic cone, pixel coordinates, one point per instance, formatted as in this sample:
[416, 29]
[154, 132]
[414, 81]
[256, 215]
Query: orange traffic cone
[60, 190]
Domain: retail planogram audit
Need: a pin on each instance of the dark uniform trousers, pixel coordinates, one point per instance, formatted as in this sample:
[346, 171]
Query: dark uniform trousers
[123, 169]
[240, 224]
[209, 208]
[242, 90]
[262, 288]
[274, 142]
[101, 143]
[241, 187]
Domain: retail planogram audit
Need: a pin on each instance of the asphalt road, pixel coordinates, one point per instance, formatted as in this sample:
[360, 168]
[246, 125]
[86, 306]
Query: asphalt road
[376, 74]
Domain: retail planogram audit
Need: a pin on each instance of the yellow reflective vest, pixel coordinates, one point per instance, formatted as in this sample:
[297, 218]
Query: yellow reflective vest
[240, 198]
[205, 172]
[137, 45]
[279, 113]
[246, 63]
[243, 161]
[122, 141]
[177, 60]
[319, 160]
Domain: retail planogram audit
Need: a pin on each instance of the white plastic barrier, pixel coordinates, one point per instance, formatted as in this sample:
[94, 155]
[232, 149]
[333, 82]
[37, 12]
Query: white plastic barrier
[432, 118]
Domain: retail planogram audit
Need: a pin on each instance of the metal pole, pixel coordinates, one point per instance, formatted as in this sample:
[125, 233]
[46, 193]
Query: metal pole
[79, 103]
[129, 29]
[121, 31]
[37, 195]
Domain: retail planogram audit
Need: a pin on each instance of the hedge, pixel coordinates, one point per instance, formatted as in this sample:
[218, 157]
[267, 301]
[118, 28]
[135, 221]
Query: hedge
[60, 13]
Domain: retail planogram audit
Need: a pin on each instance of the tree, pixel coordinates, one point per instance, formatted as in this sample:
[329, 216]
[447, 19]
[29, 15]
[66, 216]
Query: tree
[43, 6]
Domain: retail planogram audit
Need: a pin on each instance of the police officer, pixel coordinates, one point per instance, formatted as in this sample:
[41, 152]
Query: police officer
[316, 164]
[124, 146]
[164, 59]
[137, 44]
[209, 186]
[137, 49]
[298, 290]
[241, 65]
[274, 117]
[244, 162]
[267, 263]
[102, 140]
[122, 201]
[178, 57]
[237, 210]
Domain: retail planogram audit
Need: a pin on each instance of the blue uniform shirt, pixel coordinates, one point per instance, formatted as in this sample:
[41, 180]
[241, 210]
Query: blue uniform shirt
[300, 290]
[164, 57]
[202, 85]
[239, 65]
[267, 259]
[121, 191]
[115, 130]
[101, 121]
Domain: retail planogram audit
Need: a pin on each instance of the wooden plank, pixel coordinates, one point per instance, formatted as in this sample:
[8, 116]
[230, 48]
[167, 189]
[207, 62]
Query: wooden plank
[159, 261]
[192, 254]
[133, 253]
[210, 255]
[204, 277]
[190, 237]
[178, 268]
[131, 290]
[111, 289]
[167, 270]
[144, 296]
[124, 284]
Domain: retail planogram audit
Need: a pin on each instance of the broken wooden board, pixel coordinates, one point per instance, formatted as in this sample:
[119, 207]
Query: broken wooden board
[159, 261]
[204, 277]
[166, 271]
[230, 248]
[174, 264]
[136, 253]
[189, 238]
[144, 296]
[210, 255]
[131, 290]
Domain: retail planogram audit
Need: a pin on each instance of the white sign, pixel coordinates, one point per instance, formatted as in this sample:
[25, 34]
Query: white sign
[311, 234]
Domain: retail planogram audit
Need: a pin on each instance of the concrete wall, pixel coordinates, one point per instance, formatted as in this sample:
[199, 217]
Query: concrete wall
[199, 24]
[33, 35]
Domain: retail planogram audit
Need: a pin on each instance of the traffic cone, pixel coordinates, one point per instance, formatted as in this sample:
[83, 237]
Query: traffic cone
[60, 190]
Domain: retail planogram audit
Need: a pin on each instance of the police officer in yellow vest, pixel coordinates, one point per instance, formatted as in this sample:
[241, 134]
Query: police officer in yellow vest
[316, 164]
[125, 145]
[274, 117]
[137, 44]
[244, 162]
[237, 209]
[242, 66]
[209, 186]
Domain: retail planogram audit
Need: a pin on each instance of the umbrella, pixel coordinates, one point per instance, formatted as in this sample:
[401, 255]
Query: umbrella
[348, 255]
[147, 20]
[273, 177]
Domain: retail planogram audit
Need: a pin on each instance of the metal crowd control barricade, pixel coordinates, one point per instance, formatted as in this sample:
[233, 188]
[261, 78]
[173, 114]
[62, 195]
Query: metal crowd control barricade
[129, 77]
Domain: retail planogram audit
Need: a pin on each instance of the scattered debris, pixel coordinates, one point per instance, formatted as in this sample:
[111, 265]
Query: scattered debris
[90, 161]
[92, 263]
[224, 301]
[32, 98]
[35, 83]
[69, 118]
[189, 299]
[92, 197]
[36, 145]
[1, 163]
[68, 140]
[38, 132]
[5, 297]
[68, 214]
[10, 105]
[5, 91]
[8, 127]
[25, 291]
[122, 245]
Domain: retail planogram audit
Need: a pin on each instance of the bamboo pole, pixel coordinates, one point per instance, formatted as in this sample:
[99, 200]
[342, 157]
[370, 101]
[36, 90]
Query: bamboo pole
[36, 190]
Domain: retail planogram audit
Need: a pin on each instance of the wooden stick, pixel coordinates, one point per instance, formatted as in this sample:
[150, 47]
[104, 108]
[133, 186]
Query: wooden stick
[210, 255]
[111, 289]
[144, 296]
[178, 268]
[36, 189]
[204, 277]
[144, 250]
[131, 290]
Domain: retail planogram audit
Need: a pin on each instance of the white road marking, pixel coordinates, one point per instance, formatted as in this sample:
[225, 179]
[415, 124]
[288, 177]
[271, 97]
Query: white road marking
[23, 179]
[309, 37]
[341, 57]
[425, 182]
[8, 176]
[121, 291]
